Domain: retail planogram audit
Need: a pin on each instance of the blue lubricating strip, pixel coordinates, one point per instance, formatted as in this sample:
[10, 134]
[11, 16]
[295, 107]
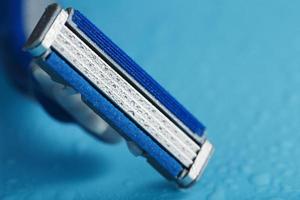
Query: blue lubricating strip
[112, 114]
[135, 71]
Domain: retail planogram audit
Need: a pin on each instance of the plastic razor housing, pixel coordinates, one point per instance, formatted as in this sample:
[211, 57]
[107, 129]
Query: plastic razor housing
[74, 52]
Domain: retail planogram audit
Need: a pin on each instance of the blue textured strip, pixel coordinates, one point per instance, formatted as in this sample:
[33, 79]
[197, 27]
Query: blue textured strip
[135, 71]
[111, 114]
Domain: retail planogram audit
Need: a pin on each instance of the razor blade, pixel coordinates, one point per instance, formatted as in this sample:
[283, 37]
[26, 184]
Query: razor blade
[75, 53]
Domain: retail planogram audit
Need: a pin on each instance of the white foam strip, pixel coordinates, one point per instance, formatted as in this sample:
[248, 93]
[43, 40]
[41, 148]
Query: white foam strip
[131, 102]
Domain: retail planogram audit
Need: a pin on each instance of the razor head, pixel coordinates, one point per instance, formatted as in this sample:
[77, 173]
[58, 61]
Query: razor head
[74, 52]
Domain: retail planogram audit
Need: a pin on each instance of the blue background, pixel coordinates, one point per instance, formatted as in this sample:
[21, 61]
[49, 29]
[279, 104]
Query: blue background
[234, 64]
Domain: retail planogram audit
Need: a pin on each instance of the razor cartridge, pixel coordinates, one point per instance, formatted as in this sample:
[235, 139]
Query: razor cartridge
[77, 55]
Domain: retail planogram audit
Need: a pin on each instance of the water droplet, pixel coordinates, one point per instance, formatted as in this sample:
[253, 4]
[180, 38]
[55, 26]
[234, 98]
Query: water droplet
[10, 162]
[261, 180]
[65, 195]
[127, 183]
[10, 197]
[12, 181]
[217, 194]
[247, 169]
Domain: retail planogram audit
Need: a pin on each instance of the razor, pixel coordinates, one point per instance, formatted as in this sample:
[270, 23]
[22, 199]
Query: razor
[74, 53]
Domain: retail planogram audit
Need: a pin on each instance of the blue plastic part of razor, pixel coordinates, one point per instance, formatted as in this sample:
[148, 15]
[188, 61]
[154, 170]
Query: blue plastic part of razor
[137, 73]
[108, 111]
[19, 70]
[12, 40]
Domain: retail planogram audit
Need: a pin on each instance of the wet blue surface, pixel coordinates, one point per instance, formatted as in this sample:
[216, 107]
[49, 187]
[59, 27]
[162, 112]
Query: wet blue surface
[234, 64]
